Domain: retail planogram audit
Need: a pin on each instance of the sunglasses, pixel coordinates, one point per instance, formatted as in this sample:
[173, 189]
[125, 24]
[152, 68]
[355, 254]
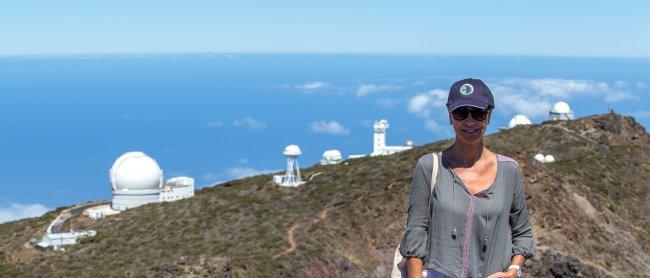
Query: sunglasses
[462, 112]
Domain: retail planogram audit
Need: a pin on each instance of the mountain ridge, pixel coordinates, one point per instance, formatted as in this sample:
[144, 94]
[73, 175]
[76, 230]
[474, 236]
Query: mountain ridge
[587, 209]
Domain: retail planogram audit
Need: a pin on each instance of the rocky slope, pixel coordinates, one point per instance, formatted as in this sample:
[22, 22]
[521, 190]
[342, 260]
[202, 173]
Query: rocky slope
[588, 211]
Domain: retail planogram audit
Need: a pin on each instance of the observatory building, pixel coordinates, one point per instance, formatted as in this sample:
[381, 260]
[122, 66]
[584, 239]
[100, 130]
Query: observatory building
[56, 241]
[519, 120]
[560, 112]
[177, 188]
[331, 157]
[379, 141]
[292, 176]
[137, 179]
[544, 158]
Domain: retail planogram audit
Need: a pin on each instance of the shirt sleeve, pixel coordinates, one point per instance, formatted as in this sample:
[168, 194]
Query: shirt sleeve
[522, 233]
[414, 243]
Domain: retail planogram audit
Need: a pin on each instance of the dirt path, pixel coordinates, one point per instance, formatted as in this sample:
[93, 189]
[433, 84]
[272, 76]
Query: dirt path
[602, 149]
[291, 238]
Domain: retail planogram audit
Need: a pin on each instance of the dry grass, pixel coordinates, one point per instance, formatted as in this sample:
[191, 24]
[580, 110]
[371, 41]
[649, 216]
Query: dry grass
[348, 220]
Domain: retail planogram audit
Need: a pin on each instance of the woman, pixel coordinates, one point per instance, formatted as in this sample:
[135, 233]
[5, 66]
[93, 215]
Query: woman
[477, 222]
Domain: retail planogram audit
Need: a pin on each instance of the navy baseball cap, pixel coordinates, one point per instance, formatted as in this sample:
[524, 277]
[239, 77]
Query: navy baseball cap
[469, 92]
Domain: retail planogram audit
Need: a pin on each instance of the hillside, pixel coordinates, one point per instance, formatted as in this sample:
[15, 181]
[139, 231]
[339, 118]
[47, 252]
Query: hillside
[589, 214]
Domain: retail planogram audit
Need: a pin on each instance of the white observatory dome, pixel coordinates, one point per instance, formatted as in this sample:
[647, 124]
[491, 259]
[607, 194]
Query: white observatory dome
[332, 155]
[519, 120]
[135, 171]
[549, 158]
[292, 150]
[409, 143]
[561, 107]
[539, 157]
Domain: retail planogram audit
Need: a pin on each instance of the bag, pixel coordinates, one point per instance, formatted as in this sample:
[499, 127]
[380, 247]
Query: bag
[399, 262]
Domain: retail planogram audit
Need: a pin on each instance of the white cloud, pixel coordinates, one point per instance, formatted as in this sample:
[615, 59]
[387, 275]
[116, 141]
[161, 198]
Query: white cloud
[215, 124]
[422, 105]
[620, 84]
[640, 85]
[559, 88]
[533, 97]
[432, 125]
[366, 89]
[242, 160]
[16, 211]
[312, 86]
[509, 100]
[250, 123]
[618, 96]
[332, 127]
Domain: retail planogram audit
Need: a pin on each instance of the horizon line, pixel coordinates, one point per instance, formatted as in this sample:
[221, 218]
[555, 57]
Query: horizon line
[99, 54]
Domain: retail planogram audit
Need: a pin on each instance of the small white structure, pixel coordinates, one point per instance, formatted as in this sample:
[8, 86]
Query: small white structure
[292, 176]
[409, 143]
[331, 157]
[519, 120]
[136, 180]
[544, 158]
[177, 188]
[352, 156]
[57, 240]
[379, 140]
[101, 211]
[549, 159]
[560, 112]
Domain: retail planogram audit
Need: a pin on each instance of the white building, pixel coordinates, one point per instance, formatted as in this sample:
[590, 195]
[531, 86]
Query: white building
[331, 157]
[560, 112]
[544, 158]
[292, 175]
[519, 120]
[379, 140]
[177, 188]
[549, 158]
[137, 179]
[57, 240]
[100, 211]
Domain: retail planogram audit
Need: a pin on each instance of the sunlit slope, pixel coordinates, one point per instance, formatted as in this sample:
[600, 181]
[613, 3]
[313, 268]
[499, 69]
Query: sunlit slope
[588, 210]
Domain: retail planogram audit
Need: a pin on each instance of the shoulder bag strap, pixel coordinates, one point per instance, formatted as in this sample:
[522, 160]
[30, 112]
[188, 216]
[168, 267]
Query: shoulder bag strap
[434, 173]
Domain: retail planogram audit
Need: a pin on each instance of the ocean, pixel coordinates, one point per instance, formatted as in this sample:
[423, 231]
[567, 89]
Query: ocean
[217, 117]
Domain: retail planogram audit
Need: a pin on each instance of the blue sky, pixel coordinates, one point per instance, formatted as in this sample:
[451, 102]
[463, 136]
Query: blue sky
[573, 28]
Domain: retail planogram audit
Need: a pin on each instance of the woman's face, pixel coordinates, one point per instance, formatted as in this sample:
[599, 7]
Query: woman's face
[469, 129]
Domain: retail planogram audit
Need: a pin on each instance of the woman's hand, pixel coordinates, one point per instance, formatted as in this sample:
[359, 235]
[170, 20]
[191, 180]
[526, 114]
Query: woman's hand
[512, 273]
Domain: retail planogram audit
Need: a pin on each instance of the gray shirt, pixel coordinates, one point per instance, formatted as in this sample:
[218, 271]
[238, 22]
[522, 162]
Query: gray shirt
[469, 235]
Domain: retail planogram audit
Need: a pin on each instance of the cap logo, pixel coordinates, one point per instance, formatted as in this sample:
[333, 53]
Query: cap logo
[466, 89]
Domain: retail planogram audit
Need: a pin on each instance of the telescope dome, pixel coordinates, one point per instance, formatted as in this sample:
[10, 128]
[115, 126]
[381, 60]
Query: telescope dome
[519, 120]
[292, 150]
[561, 107]
[135, 171]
